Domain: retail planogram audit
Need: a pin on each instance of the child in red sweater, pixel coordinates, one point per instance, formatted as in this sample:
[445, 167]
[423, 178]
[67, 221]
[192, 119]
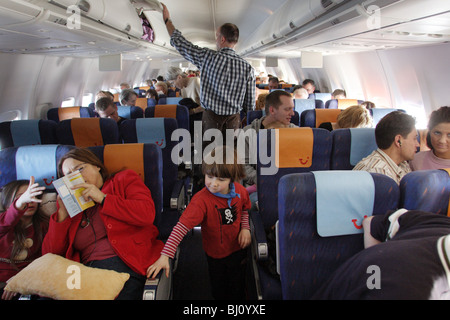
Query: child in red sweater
[221, 209]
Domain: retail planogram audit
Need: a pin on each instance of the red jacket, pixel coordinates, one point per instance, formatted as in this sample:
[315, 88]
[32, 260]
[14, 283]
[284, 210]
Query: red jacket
[128, 213]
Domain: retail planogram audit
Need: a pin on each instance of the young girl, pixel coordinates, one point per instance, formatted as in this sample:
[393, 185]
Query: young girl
[21, 229]
[221, 209]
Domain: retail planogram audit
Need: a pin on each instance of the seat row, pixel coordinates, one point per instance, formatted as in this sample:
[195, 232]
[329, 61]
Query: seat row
[302, 170]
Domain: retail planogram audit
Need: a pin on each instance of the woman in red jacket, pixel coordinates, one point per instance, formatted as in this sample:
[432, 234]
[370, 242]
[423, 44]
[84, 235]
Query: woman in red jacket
[117, 233]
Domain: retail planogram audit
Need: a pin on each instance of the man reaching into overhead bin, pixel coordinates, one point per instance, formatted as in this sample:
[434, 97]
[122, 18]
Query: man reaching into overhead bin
[227, 81]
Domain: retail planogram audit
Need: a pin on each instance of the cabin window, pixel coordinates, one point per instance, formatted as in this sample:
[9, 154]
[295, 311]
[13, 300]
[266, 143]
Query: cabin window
[69, 102]
[87, 99]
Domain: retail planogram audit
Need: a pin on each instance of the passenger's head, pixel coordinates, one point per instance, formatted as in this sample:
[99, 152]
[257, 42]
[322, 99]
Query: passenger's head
[397, 129]
[280, 106]
[227, 36]
[438, 137]
[354, 117]
[90, 166]
[300, 93]
[368, 105]
[128, 97]
[261, 101]
[176, 75]
[222, 162]
[339, 94]
[309, 85]
[124, 86]
[106, 108]
[104, 94]
[274, 83]
[161, 88]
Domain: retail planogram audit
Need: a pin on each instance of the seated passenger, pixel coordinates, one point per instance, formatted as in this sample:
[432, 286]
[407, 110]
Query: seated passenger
[279, 108]
[106, 108]
[162, 89]
[124, 86]
[221, 209]
[300, 93]
[274, 83]
[396, 137]
[117, 233]
[403, 259]
[339, 94]
[104, 94]
[352, 117]
[261, 102]
[22, 228]
[128, 98]
[368, 105]
[310, 86]
[438, 140]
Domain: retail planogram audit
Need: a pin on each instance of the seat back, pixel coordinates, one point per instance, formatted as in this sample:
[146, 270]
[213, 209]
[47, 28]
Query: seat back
[141, 103]
[173, 100]
[296, 150]
[324, 96]
[144, 158]
[378, 113]
[88, 132]
[426, 190]
[314, 118]
[128, 112]
[60, 114]
[40, 161]
[308, 259]
[307, 104]
[179, 112]
[350, 146]
[341, 103]
[27, 132]
[158, 131]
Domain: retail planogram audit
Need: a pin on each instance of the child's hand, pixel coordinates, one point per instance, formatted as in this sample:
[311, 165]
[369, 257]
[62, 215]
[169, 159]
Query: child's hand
[161, 263]
[245, 238]
[30, 194]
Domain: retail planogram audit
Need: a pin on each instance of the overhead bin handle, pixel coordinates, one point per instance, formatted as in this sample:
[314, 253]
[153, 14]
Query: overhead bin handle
[149, 5]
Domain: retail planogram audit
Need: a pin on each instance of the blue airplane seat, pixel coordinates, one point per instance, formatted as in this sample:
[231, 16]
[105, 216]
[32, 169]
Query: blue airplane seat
[130, 112]
[60, 114]
[313, 118]
[426, 190]
[350, 146]
[179, 112]
[88, 132]
[281, 152]
[27, 132]
[320, 224]
[307, 104]
[378, 113]
[341, 103]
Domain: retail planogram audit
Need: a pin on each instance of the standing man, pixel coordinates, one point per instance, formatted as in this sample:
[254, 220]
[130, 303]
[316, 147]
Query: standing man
[227, 81]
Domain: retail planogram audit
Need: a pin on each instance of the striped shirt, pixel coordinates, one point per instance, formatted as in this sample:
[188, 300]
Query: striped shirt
[379, 162]
[228, 82]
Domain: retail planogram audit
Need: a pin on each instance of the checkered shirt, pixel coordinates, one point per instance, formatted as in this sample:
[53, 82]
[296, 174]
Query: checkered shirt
[227, 81]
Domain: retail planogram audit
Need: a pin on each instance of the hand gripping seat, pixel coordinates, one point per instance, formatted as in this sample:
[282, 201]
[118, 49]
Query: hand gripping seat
[59, 114]
[314, 118]
[281, 152]
[350, 146]
[426, 190]
[27, 132]
[320, 223]
[88, 132]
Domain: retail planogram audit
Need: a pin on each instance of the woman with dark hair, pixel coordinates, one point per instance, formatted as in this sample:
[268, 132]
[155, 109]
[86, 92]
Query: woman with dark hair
[117, 233]
[438, 140]
[22, 228]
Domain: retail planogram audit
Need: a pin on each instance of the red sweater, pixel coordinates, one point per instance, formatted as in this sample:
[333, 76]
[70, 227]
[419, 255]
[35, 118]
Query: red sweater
[128, 213]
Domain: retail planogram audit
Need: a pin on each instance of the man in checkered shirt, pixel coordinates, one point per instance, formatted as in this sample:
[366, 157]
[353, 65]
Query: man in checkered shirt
[227, 81]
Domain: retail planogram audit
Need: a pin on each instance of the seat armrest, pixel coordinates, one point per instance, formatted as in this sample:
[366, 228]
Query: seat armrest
[177, 199]
[259, 240]
[159, 288]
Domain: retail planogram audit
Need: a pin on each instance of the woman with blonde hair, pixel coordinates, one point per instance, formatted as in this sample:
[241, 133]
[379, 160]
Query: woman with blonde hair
[353, 117]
